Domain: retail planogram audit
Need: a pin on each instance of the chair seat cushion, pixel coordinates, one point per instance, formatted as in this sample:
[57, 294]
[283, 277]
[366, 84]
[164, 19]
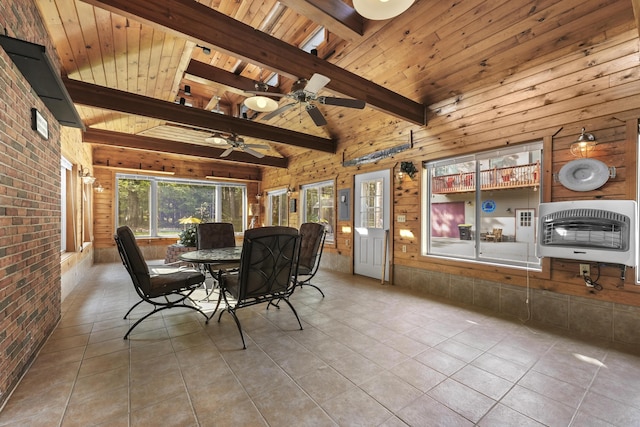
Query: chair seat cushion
[174, 281]
[304, 270]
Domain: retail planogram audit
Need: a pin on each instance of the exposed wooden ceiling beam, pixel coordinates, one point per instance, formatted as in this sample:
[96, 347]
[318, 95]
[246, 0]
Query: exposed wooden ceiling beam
[131, 103]
[119, 139]
[335, 15]
[231, 82]
[204, 25]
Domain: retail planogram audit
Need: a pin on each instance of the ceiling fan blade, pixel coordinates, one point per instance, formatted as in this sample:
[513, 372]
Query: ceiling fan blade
[227, 152]
[342, 102]
[316, 82]
[262, 146]
[278, 111]
[253, 152]
[316, 115]
[272, 94]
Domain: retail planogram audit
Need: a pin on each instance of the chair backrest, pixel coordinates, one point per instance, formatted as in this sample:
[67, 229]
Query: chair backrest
[213, 235]
[497, 232]
[311, 245]
[268, 262]
[132, 258]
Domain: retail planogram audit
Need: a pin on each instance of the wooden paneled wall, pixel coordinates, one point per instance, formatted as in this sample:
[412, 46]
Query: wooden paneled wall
[597, 88]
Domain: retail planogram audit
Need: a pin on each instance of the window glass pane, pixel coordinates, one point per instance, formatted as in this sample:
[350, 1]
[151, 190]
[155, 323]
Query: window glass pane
[509, 200]
[452, 212]
[484, 207]
[319, 206]
[371, 204]
[232, 209]
[327, 211]
[176, 201]
[133, 205]
[278, 205]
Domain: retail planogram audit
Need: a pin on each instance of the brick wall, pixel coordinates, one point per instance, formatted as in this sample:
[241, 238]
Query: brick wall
[29, 207]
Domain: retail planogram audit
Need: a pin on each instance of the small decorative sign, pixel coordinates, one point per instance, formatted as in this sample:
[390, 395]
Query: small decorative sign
[488, 206]
[39, 123]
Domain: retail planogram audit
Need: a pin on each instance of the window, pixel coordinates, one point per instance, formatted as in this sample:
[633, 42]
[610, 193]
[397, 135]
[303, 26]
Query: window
[318, 205]
[484, 207]
[154, 206]
[66, 199]
[277, 206]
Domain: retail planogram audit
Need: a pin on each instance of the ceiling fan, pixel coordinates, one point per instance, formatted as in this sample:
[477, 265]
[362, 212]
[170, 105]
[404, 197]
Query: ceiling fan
[234, 142]
[305, 93]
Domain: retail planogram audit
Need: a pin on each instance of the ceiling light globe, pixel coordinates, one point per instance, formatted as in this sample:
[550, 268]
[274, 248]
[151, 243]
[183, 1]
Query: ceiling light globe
[261, 104]
[381, 9]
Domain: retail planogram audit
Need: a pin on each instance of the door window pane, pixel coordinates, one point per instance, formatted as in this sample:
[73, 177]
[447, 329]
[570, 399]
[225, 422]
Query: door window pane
[372, 204]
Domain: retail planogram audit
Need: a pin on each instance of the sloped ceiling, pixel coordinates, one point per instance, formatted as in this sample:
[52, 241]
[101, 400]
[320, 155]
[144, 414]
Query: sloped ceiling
[432, 52]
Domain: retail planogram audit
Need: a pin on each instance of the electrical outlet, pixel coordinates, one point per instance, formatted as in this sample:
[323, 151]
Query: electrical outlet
[347, 241]
[585, 270]
[404, 248]
[402, 218]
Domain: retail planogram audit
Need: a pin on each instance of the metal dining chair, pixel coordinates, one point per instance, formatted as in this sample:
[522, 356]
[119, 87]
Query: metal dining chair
[214, 235]
[267, 272]
[163, 288]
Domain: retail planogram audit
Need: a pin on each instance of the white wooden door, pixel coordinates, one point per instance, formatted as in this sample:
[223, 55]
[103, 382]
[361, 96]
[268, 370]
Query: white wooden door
[525, 225]
[371, 221]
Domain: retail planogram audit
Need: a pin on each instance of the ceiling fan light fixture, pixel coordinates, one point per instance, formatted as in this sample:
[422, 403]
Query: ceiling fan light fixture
[217, 139]
[262, 104]
[379, 10]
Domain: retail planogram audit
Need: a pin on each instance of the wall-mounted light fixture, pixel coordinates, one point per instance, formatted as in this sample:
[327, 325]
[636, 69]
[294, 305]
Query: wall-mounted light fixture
[99, 188]
[584, 145]
[258, 196]
[86, 176]
[509, 210]
[289, 191]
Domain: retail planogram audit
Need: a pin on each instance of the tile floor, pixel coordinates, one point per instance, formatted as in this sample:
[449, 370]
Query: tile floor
[369, 355]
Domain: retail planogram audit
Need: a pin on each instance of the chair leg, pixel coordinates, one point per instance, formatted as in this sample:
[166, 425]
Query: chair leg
[132, 307]
[294, 311]
[157, 309]
[306, 283]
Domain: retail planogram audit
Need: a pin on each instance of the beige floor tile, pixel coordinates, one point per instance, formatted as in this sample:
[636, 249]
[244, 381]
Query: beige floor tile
[356, 408]
[173, 412]
[391, 391]
[368, 355]
[324, 383]
[97, 408]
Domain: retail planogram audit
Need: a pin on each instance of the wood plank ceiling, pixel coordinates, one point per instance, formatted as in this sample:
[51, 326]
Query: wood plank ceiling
[145, 53]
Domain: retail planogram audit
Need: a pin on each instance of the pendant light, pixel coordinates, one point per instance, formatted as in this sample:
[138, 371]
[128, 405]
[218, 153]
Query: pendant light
[381, 9]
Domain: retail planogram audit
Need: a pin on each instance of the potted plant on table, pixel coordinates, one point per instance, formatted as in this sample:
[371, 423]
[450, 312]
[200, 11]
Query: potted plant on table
[187, 237]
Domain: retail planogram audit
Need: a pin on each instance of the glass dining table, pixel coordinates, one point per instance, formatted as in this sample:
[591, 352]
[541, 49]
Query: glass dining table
[216, 261]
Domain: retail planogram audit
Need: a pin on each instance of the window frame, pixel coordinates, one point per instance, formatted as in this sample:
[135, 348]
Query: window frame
[154, 200]
[331, 226]
[476, 199]
[284, 213]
